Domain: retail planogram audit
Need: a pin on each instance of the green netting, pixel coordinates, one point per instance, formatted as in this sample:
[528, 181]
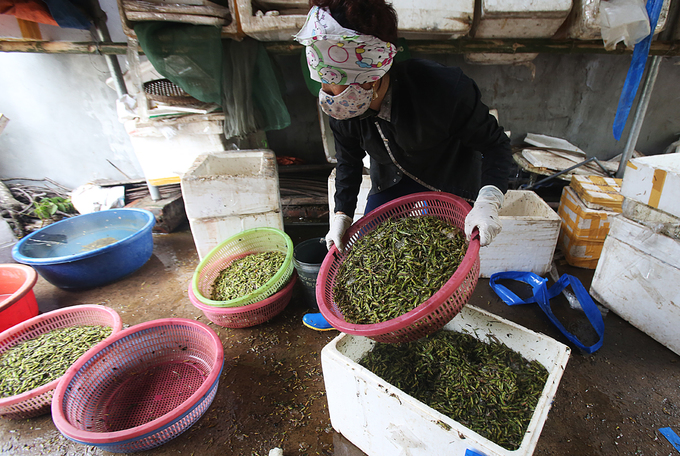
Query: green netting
[188, 55]
[238, 75]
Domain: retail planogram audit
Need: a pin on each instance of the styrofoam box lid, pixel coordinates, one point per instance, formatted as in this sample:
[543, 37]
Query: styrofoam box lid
[645, 239]
[667, 162]
[347, 350]
[434, 15]
[522, 6]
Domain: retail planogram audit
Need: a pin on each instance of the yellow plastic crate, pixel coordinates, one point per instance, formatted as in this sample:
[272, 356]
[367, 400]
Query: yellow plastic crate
[598, 192]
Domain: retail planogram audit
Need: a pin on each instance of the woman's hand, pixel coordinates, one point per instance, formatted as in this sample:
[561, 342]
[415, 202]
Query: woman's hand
[484, 215]
[339, 226]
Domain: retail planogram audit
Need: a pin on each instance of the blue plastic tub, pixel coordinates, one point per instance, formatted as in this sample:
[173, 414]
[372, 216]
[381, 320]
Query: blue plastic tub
[89, 250]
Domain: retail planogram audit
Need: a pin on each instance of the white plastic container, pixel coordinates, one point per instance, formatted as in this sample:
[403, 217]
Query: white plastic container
[228, 192]
[654, 181]
[637, 278]
[167, 148]
[528, 239]
[381, 419]
[521, 19]
[426, 19]
[361, 199]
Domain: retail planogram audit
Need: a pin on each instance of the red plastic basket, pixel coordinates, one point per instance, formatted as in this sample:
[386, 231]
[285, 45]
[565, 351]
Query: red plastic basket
[250, 315]
[37, 401]
[432, 314]
[140, 388]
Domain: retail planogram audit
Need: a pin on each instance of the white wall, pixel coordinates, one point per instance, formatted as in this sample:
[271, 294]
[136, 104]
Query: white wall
[63, 122]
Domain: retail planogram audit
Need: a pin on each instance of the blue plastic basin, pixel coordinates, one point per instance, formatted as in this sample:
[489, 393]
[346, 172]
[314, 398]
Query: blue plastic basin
[89, 250]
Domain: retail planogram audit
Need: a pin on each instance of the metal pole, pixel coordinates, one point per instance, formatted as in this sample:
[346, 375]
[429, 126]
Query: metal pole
[640, 111]
[101, 32]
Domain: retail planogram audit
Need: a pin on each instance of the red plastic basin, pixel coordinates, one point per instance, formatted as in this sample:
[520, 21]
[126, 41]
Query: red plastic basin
[17, 300]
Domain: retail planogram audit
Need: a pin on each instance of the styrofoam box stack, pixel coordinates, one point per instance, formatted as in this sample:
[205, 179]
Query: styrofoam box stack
[528, 239]
[380, 419]
[228, 192]
[584, 228]
[426, 19]
[637, 278]
[584, 20]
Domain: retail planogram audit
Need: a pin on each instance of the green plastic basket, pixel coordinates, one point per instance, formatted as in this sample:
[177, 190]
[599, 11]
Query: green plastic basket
[255, 240]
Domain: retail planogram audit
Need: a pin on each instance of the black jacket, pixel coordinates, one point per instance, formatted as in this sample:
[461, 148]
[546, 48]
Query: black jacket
[440, 134]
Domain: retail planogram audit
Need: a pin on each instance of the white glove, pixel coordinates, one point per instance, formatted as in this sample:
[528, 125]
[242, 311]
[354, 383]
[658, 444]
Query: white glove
[339, 226]
[484, 215]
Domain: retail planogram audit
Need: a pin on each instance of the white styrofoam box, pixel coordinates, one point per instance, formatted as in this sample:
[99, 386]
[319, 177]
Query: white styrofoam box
[654, 181]
[584, 20]
[652, 218]
[637, 278]
[381, 419]
[582, 221]
[528, 239]
[361, 198]
[521, 19]
[326, 135]
[227, 192]
[208, 232]
[167, 148]
[423, 19]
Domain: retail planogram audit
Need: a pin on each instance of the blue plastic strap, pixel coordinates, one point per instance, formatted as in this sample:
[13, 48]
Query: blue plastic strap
[637, 67]
[671, 436]
[543, 295]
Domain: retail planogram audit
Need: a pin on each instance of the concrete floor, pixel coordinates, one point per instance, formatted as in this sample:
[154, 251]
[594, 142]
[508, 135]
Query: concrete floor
[271, 393]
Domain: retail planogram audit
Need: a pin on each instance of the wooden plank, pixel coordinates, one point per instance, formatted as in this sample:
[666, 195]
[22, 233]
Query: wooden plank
[176, 8]
[184, 18]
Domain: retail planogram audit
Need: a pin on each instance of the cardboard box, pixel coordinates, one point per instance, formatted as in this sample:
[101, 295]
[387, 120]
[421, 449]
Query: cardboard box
[637, 278]
[598, 192]
[654, 181]
[381, 419]
[581, 221]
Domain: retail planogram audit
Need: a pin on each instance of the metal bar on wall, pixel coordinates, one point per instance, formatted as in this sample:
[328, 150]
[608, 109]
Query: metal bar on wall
[461, 46]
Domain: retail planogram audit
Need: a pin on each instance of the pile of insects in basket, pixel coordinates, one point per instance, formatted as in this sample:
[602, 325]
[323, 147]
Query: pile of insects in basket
[245, 275]
[396, 267]
[36, 362]
[486, 387]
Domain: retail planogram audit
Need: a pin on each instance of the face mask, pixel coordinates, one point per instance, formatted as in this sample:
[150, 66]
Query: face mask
[352, 102]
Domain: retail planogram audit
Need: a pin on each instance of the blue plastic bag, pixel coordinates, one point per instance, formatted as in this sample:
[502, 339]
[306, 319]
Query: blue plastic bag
[542, 296]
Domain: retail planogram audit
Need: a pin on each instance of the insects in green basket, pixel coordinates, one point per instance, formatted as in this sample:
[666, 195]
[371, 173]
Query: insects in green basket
[487, 387]
[38, 361]
[246, 274]
[396, 267]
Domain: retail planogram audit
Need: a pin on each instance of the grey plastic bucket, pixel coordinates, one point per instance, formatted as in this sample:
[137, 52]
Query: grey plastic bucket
[307, 258]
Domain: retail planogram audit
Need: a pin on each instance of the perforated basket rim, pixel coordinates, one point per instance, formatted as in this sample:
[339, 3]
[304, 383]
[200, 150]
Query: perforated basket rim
[243, 309]
[27, 324]
[429, 306]
[95, 438]
[252, 296]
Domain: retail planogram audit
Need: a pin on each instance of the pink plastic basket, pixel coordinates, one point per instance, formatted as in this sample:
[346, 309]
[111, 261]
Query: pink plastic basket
[442, 306]
[37, 401]
[142, 387]
[250, 315]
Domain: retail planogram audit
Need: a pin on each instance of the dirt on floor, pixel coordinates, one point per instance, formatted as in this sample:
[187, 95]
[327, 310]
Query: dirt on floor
[271, 391]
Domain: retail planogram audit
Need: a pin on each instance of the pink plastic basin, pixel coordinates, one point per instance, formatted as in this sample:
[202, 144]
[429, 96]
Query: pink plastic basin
[17, 300]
